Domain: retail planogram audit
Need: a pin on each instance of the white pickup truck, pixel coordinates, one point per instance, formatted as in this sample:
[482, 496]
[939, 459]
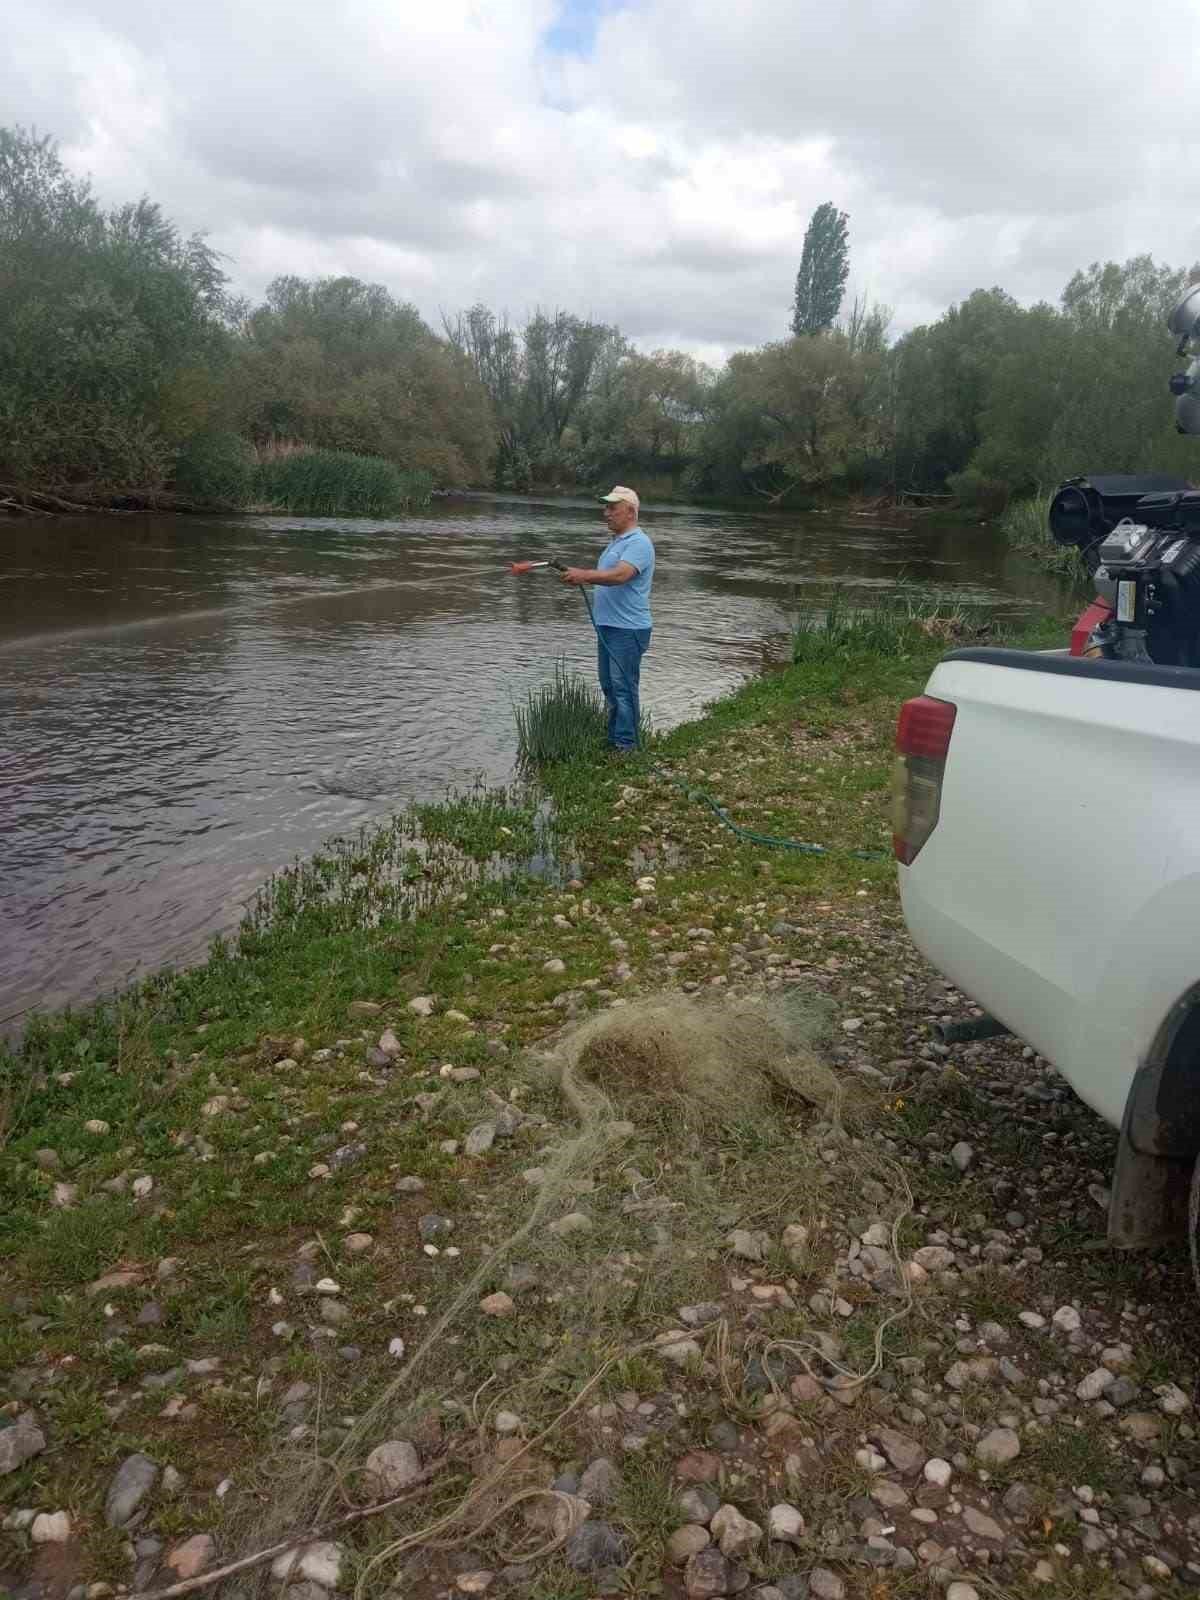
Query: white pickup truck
[1047, 828]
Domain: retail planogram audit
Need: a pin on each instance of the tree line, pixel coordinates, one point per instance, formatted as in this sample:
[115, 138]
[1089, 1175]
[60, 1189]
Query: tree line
[127, 368]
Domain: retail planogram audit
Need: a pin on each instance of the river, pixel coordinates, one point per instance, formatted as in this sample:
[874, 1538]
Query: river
[188, 703]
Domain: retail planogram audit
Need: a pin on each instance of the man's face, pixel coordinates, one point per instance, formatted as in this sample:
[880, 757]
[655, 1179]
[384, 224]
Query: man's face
[619, 516]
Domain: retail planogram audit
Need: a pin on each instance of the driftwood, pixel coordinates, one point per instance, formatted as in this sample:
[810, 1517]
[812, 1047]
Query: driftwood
[19, 501]
[294, 1541]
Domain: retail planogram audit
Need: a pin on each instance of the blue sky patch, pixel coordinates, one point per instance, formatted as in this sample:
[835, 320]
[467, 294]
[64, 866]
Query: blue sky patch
[573, 32]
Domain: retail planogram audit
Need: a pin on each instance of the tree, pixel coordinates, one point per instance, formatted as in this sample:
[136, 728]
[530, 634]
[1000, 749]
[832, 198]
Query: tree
[109, 322]
[824, 268]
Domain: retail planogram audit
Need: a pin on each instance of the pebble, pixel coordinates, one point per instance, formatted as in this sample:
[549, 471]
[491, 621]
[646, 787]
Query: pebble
[422, 1005]
[51, 1527]
[135, 1478]
[998, 1447]
[192, 1556]
[962, 1591]
[389, 1043]
[506, 1423]
[785, 1524]
[573, 1222]
[708, 1574]
[748, 1246]
[938, 1472]
[363, 1008]
[320, 1563]
[410, 1185]
[497, 1305]
[19, 1444]
[595, 1545]
[825, 1585]
[1067, 1320]
[474, 1582]
[97, 1126]
[1094, 1385]
[480, 1139]
[600, 1483]
[354, 1244]
[394, 1465]
[698, 1505]
[905, 1454]
[685, 1543]
[962, 1155]
[734, 1533]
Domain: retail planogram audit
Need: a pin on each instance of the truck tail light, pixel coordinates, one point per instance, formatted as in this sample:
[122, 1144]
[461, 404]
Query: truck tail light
[922, 742]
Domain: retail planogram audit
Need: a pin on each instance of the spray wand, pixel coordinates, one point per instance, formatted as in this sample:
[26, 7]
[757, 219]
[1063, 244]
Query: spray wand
[519, 567]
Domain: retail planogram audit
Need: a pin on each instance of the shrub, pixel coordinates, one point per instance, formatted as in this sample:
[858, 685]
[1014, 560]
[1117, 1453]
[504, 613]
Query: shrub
[215, 467]
[975, 489]
[335, 483]
[560, 721]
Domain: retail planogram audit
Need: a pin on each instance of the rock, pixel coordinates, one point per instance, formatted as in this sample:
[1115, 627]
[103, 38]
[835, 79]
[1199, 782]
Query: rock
[394, 1465]
[998, 1448]
[698, 1505]
[113, 1281]
[1031, 1319]
[1154, 1568]
[97, 1126]
[480, 1139]
[410, 1185]
[64, 1195]
[554, 965]
[595, 1545]
[698, 1466]
[51, 1527]
[701, 1315]
[678, 1349]
[506, 1423]
[734, 1533]
[1094, 1385]
[601, 1483]
[747, 1245]
[785, 1524]
[216, 1106]
[934, 1258]
[962, 1591]
[434, 1227]
[359, 1009]
[707, 1575]
[474, 1582]
[1121, 1392]
[320, 1563]
[687, 1542]
[135, 1478]
[573, 1222]
[938, 1472]
[388, 1044]
[192, 1556]
[1019, 1501]
[825, 1585]
[172, 1481]
[47, 1160]
[983, 1526]
[422, 1005]
[795, 1241]
[905, 1454]
[1067, 1320]
[498, 1305]
[356, 1244]
[19, 1444]
[962, 1155]
[1143, 1426]
[1172, 1401]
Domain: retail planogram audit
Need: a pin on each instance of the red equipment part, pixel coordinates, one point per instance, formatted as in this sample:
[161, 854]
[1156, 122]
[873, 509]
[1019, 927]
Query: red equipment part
[1099, 611]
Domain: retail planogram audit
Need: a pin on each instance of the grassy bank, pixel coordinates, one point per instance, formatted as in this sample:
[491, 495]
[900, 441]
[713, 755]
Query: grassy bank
[1026, 526]
[360, 1178]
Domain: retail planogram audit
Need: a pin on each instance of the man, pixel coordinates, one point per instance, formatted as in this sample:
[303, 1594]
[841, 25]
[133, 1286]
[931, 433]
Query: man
[622, 581]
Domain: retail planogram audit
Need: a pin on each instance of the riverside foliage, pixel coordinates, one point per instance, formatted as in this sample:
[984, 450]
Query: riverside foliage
[128, 368]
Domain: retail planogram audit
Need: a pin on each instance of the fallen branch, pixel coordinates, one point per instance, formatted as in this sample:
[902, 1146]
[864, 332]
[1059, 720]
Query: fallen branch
[293, 1542]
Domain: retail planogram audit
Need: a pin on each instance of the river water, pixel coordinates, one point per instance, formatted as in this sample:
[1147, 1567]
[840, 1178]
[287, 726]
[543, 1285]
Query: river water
[188, 703]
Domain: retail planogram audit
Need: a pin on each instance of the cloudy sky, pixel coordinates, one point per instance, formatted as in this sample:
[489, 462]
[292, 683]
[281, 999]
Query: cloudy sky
[651, 163]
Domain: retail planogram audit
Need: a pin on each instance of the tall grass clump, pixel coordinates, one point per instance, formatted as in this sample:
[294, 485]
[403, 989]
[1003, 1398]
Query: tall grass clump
[336, 483]
[560, 721]
[894, 623]
[1026, 526]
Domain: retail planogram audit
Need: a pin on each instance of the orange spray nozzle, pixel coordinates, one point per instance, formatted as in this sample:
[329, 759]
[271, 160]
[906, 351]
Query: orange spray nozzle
[519, 567]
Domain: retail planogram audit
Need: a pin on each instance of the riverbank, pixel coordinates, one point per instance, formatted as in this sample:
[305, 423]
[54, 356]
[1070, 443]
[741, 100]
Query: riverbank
[326, 1193]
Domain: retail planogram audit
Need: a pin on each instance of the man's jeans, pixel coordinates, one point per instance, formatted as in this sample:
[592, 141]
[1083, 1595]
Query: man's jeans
[619, 660]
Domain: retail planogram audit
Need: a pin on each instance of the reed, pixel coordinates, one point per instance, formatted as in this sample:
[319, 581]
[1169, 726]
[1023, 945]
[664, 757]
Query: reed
[1026, 526]
[561, 721]
[336, 483]
[892, 623]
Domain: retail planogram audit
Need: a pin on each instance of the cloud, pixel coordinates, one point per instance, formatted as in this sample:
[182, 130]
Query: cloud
[653, 164]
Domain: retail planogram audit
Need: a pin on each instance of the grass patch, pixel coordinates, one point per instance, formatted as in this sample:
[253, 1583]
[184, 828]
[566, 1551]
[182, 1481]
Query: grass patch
[896, 623]
[1026, 526]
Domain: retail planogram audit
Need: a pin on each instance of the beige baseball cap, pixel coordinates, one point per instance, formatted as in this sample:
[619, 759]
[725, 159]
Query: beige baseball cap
[620, 492]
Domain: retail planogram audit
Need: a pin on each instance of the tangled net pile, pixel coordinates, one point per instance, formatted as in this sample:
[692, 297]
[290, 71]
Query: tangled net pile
[676, 1068]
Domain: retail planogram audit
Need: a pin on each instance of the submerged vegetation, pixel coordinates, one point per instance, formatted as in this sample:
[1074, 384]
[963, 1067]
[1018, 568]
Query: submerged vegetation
[130, 372]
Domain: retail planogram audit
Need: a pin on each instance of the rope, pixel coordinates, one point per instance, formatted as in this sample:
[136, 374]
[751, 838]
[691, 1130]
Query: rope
[767, 841]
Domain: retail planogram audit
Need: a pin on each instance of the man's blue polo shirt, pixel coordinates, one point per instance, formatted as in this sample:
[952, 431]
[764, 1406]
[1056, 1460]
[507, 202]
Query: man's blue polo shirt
[626, 605]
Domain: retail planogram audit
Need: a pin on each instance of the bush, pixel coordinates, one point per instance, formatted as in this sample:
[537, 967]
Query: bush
[336, 483]
[217, 468]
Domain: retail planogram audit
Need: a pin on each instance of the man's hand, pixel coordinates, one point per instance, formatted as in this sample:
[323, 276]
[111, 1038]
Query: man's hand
[574, 576]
